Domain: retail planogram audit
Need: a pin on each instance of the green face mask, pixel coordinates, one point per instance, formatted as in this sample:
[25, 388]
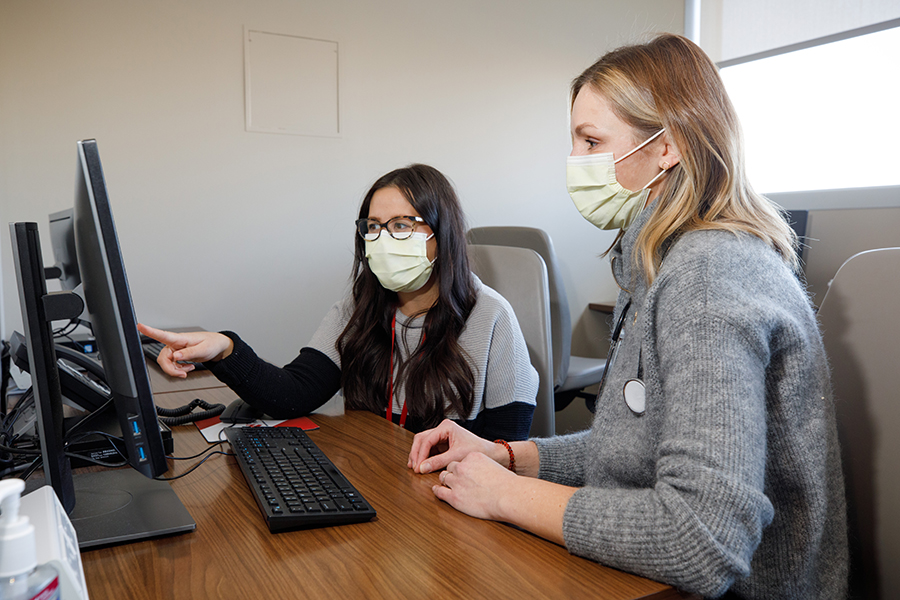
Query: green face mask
[400, 265]
[598, 196]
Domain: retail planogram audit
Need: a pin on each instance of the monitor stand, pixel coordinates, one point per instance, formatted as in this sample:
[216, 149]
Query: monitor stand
[122, 506]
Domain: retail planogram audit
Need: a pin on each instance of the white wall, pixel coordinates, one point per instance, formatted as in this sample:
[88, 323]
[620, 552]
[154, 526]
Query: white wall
[228, 229]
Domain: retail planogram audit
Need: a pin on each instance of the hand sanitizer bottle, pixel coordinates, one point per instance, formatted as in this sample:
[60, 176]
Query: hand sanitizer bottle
[20, 577]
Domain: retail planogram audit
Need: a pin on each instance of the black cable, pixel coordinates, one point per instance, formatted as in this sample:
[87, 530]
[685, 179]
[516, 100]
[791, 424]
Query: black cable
[4, 375]
[34, 466]
[27, 444]
[9, 453]
[78, 345]
[199, 454]
[23, 451]
[95, 461]
[87, 419]
[171, 417]
[211, 453]
[66, 330]
[112, 438]
[26, 400]
[183, 415]
[12, 470]
[10, 419]
[194, 468]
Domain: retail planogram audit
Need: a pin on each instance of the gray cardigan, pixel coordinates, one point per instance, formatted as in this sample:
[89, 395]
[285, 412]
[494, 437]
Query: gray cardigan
[731, 479]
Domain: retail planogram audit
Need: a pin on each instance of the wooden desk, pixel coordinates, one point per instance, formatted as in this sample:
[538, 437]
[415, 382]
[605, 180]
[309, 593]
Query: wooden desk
[196, 380]
[417, 547]
[160, 383]
[604, 307]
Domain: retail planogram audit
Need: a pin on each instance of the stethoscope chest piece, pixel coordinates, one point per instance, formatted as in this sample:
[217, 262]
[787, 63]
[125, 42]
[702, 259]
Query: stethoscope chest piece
[635, 396]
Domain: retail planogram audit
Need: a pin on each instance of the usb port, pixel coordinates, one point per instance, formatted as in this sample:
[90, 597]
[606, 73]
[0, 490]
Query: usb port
[135, 427]
[142, 456]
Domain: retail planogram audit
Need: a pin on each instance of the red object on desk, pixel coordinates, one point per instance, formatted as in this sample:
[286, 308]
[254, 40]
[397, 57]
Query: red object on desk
[304, 423]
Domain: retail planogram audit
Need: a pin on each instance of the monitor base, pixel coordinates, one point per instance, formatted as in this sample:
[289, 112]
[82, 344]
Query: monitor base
[121, 506]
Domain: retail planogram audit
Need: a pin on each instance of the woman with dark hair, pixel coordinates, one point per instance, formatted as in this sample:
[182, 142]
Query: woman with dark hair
[712, 463]
[414, 340]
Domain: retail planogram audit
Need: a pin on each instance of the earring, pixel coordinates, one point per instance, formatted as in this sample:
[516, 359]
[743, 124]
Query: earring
[665, 166]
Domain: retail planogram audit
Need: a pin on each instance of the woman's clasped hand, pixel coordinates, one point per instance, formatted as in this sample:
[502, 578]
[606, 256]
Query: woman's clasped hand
[473, 478]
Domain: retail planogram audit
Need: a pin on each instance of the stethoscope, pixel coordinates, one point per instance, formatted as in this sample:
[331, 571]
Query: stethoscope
[633, 392]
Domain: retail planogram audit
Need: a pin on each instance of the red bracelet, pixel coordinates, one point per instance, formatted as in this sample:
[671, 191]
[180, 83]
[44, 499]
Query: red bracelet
[512, 456]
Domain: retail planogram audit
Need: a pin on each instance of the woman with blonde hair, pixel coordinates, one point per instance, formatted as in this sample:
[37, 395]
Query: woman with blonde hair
[713, 462]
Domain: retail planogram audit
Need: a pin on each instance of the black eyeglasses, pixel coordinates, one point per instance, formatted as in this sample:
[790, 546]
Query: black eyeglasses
[400, 228]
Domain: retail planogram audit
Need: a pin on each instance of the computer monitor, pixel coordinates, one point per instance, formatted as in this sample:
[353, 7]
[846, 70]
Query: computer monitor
[112, 506]
[38, 310]
[62, 240]
[109, 305]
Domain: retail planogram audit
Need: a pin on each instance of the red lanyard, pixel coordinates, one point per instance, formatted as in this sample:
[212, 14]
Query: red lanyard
[390, 404]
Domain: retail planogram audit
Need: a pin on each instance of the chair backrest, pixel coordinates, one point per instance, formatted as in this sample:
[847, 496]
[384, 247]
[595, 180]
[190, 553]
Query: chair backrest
[835, 235]
[560, 321]
[797, 220]
[520, 276]
[860, 319]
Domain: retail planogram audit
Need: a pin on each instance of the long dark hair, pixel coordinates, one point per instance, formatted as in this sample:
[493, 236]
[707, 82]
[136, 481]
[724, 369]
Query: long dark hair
[438, 370]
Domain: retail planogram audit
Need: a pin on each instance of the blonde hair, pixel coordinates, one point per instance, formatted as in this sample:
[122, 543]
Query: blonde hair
[670, 83]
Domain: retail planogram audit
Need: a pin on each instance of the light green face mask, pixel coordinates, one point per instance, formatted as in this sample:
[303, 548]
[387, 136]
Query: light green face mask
[400, 265]
[598, 196]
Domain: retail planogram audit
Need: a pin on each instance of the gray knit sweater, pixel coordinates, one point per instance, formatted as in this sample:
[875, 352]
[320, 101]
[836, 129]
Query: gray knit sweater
[731, 479]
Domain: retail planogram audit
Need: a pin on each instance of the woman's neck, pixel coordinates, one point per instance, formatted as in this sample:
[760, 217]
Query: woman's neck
[420, 300]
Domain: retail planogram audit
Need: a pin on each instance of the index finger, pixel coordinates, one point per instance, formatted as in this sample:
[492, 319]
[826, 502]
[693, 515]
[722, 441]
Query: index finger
[420, 453]
[166, 337]
[170, 366]
[416, 449]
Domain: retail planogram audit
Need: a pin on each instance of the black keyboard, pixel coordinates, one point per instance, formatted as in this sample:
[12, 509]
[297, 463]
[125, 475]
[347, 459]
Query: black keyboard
[295, 485]
[152, 348]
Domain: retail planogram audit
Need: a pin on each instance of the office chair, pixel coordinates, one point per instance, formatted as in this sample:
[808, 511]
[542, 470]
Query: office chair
[797, 219]
[571, 374]
[860, 327]
[520, 276]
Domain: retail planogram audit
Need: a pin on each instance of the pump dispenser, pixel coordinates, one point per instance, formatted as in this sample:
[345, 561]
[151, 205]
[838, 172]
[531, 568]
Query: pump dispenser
[20, 577]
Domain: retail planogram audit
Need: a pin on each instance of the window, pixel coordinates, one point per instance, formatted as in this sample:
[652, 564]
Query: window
[821, 117]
